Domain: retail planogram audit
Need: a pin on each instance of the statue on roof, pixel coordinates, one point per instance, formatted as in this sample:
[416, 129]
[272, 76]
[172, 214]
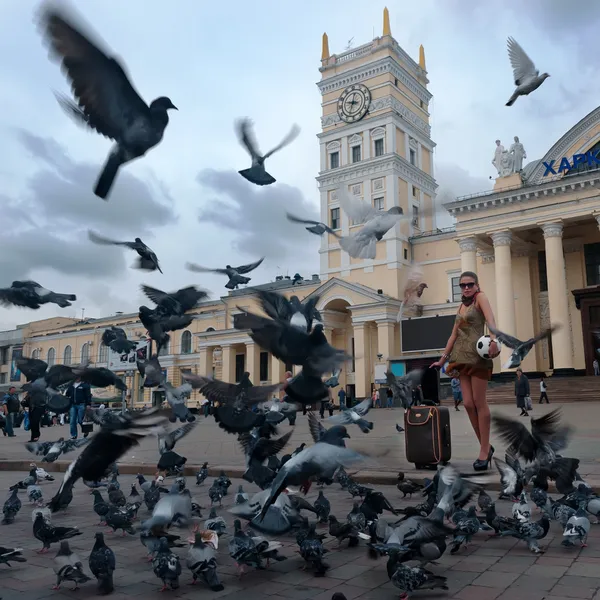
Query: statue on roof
[518, 153]
[497, 160]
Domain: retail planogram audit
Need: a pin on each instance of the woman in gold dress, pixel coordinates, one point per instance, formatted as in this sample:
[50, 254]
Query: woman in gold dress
[473, 370]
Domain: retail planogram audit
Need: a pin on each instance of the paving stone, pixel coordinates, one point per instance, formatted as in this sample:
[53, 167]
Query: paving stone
[495, 579]
[583, 569]
[475, 592]
[573, 591]
[538, 570]
[531, 582]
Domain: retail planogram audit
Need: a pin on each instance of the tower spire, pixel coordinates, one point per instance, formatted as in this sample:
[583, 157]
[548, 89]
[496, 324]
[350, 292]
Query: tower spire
[325, 51]
[422, 57]
[386, 22]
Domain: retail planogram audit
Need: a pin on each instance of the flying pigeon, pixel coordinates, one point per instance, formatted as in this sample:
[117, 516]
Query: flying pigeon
[355, 415]
[521, 349]
[108, 100]
[235, 274]
[334, 435]
[31, 294]
[413, 290]
[147, 260]
[315, 227]
[256, 173]
[293, 311]
[527, 77]
[151, 371]
[402, 386]
[176, 397]
[115, 338]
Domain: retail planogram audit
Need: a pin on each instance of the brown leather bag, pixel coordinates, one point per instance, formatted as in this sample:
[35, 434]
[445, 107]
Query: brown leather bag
[427, 436]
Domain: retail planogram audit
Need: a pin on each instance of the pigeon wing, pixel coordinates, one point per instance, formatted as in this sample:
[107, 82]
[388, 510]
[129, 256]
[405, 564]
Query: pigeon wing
[32, 368]
[517, 436]
[288, 139]
[265, 448]
[182, 431]
[99, 83]
[275, 305]
[102, 241]
[357, 210]
[8, 298]
[523, 67]
[247, 268]
[294, 219]
[317, 431]
[71, 109]
[218, 391]
[363, 408]
[246, 136]
[546, 333]
[189, 296]
[194, 268]
[547, 425]
[507, 340]
[261, 393]
[157, 296]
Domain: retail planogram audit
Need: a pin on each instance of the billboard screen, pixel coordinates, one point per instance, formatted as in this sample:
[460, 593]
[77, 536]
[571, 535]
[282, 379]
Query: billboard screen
[128, 362]
[15, 373]
[426, 333]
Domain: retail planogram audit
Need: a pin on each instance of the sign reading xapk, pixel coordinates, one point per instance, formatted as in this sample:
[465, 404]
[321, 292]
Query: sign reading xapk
[589, 158]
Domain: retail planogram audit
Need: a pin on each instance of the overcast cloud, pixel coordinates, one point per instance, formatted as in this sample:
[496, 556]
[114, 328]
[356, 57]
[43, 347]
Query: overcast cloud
[219, 62]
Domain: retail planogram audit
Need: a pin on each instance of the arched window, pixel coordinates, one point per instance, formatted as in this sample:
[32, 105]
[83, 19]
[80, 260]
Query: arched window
[210, 329]
[85, 352]
[186, 342]
[67, 355]
[165, 349]
[103, 354]
[51, 357]
[35, 354]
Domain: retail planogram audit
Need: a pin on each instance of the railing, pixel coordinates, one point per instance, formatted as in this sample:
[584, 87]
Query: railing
[354, 53]
[434, 232]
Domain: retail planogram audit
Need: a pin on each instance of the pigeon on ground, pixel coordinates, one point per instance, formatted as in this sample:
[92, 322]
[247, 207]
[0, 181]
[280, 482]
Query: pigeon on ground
[116, 496]
[323, 507]
[293, 311]
[409, 579]
[402, 386]
[100, 506]
[109, 102]
[521, 510]
[68, 567]
[241, 496]
[521, 349]
[115, 338]
[176, 398]
[355, 415]
[407, 487]
[312, 551]
[11, 507]
[215, 523]
[31, 479]
[119, 519]
[166, 566]
[235, 274]
[315, 227]
[527, 77]
[202, 474]
[215, 493]
[202, 562]
[52, 450]
[413, 290]
[577, 529]
[257, 173]
[34, 495]
[108, 445]
[30, 294]
[102, 564]
[46, 533]
[8, 555]
[530, 532]
[147, 260]
[169, 509]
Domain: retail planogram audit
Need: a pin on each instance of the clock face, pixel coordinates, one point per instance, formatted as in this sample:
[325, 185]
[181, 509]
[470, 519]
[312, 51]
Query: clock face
[354, 103]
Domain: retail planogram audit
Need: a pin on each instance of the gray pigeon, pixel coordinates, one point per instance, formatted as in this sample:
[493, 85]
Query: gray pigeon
[11, 507]
[409, 579]
[354, 415]
[102, 564]
[176, 397]
[166, 566]
[530, 533]
[402, 386]
[315, 227]
[256, 173]
[108, 100]
[202, 562]
[31, 294]
[527, 77]
[241, 496]
[577, 529]
[521, 349]
[151, 371]
[68, 567]
[147, 260]
[235, 274]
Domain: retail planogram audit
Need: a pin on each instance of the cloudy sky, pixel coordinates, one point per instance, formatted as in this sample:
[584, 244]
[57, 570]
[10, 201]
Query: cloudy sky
[260, 59]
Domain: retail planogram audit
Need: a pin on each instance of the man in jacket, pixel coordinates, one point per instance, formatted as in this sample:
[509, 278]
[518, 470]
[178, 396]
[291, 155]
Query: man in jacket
[80, 395]
[522, 393]
[10, 407]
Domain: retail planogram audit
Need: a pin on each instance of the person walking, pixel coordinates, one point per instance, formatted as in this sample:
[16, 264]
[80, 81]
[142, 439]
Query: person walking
[596, 367]
[456, 392]
[473, 371]
[543, 391]
[80, 395]
[36, 407]
[327, 403]
[10, 408]
[342, 398]
[522, 393]
[390, 398]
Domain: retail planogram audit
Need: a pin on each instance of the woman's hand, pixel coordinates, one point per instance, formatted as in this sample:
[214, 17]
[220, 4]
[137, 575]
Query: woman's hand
[494, 350]
[437, 365]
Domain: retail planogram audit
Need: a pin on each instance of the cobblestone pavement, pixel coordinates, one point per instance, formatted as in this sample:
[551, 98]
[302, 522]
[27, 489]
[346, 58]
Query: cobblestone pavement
[210, 443]
[490, 569]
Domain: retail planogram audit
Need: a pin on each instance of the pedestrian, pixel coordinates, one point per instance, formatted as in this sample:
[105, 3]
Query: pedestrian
[456, 392]
[390, 398]
[543, 391]
[377, 399]
[473, 371]
[326, 404]
[37, 408]
[10, 408]
[522, 393]
[80, 395]
[342, 398]
[596, 367]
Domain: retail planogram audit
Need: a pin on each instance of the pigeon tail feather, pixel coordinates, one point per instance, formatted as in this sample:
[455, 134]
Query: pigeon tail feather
[107, 177]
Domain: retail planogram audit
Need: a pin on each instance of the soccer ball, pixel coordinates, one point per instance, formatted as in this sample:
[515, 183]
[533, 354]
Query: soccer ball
[483, 346]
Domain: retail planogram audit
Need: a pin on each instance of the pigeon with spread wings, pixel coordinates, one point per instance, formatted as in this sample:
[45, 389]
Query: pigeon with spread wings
[315, 227]
[235, 274]
[170, 462]
[527, 77]
[147, 260]
[293, 311]
[30, 294]
[413, 290]
[257, 450]
[109, 102]
[257, 173]
[115, 338]
[402, 386]
[355, 415]
[521, 349]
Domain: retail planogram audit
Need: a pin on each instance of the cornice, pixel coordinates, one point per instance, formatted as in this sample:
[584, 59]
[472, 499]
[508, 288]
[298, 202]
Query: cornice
[387, 64]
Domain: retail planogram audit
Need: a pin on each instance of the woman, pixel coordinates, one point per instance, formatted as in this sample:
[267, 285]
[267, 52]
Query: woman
[543, 391]
[522, 392]
[473, 371]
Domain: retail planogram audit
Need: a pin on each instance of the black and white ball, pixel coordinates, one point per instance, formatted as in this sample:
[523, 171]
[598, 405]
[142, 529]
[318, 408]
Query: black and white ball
[483, 346]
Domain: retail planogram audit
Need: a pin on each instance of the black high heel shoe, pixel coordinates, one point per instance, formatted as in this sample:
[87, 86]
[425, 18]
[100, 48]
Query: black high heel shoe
[483, 465]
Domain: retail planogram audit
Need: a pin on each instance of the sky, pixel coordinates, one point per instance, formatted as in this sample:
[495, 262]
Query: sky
[218, 62]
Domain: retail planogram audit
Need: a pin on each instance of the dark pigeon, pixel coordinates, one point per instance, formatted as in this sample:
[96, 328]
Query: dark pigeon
[202, 562]
[102, 564]
[109, 102]
[44, 531]
[315, 227]
[235, 274]
[147, 260]
[521, 349]
[292, 311]
[100, 377]
[166, 566]
[11, 507]
[30, 294]
[115, 338]
[8, 555]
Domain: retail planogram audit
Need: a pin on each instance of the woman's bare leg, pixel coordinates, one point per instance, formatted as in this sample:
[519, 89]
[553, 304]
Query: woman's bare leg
[479, 391]
[470, 407]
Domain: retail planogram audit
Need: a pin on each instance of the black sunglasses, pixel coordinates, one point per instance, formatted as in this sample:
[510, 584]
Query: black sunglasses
[466, 286]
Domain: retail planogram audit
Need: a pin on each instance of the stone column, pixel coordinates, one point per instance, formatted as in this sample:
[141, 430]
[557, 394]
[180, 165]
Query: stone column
[557, 296]
[276, 370]
[253, 362]
[206, 361]
[328, 331]
[385, 338]
[468, 254]
[505, 297]
[362, 364]
[228, 363]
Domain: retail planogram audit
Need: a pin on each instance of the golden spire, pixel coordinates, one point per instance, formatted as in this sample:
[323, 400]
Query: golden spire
[386, 22]
[422, 57]
[325, 51]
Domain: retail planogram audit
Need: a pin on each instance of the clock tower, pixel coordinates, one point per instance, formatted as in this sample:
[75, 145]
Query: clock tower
[375, 143]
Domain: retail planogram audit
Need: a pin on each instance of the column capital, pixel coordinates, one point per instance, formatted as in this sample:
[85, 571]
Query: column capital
[385, 321]
[467, 244]
[501, 238]
[554, 229]
[487, 258]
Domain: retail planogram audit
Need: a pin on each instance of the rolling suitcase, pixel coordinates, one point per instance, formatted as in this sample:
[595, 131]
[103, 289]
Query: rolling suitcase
[427, 436]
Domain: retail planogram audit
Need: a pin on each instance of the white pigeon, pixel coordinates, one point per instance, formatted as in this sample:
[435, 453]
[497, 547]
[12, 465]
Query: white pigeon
[527, 77]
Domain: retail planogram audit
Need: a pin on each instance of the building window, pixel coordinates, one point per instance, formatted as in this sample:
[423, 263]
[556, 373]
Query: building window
[186, 342]
[334, 218]
[67, 355]
[35, 354]
[164, 351]
[415, 192]
[405, 253]
[592, 263]
[103, 354]
[334, 160]
[379, 203]
[379, 147]
[3, 377]
[352, 356]
[85, 352]
[355, 154]
[51, 357]
[415, 216]
[542, 274]
[454, 284]
[240, 366]
[413, 157]
[4, 355]
[264, 366]
[209, 329]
